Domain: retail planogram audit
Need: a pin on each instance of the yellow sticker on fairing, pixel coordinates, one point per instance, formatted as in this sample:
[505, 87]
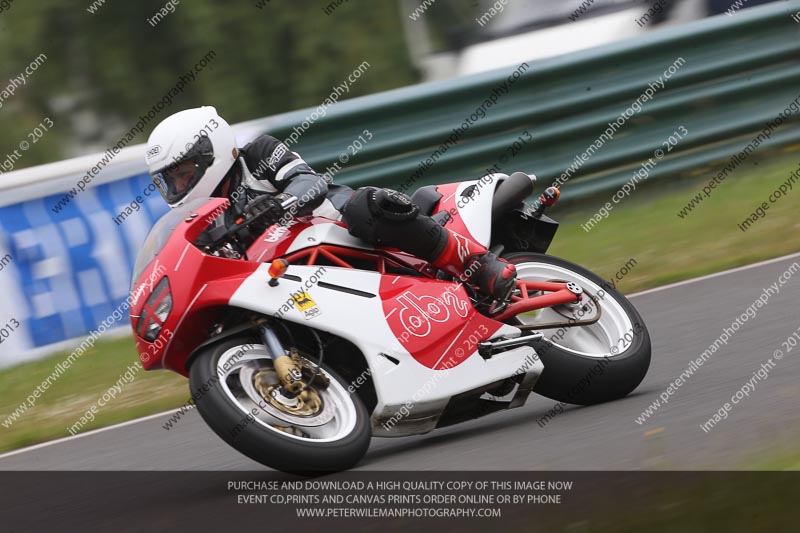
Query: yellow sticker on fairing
[303, 301]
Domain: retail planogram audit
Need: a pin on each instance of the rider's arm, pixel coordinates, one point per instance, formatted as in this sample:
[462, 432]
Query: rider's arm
[271, 160]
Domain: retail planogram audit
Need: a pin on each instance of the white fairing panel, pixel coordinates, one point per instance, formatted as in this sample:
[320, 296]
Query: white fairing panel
[327, 210]
[327, 233]
[476, 210]
[360, 319]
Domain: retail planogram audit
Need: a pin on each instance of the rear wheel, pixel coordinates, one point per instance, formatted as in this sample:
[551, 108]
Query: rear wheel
[235, 385]
[600, 349]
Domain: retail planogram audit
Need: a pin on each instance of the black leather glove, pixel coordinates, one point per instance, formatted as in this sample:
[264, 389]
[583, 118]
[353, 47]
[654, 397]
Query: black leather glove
[266, 209]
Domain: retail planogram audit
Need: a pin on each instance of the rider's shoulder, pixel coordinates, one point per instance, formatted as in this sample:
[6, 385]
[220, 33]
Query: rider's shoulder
[263, 143]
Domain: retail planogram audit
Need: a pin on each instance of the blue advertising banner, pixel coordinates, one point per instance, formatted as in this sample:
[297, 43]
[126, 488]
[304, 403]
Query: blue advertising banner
[65, 270]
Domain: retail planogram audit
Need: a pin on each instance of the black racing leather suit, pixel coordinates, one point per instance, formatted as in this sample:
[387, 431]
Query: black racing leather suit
[268, 166]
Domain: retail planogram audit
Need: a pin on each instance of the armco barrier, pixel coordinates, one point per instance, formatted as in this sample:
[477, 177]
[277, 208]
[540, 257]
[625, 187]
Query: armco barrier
[737, 74]
[68, 270]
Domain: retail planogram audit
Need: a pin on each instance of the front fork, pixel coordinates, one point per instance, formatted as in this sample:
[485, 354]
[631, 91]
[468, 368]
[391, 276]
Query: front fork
[293, 394]
[287, 367]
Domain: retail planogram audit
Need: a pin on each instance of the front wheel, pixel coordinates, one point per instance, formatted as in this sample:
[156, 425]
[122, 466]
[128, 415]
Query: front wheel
[594, 351]
[234, 384]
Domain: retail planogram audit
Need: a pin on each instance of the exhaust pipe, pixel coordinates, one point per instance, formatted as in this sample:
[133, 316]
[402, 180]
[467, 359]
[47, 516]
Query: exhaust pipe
[489, 348]
[511, 192]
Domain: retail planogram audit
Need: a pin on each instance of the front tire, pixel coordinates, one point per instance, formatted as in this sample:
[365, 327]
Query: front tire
[221, 382]
[590, 364]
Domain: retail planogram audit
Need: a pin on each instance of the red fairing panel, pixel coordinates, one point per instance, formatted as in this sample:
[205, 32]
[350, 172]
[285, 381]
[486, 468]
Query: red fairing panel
[201, 286]
[433, 320]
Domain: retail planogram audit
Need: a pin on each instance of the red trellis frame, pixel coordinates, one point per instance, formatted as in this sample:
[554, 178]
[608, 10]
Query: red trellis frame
[556, 292]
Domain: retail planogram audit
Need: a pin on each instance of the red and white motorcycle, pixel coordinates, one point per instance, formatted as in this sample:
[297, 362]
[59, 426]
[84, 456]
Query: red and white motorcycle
[303, 346]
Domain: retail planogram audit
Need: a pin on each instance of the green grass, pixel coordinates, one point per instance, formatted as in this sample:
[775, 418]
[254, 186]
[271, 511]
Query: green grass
[81, 385]
[788, 462]
[781, 461]
[644, 226]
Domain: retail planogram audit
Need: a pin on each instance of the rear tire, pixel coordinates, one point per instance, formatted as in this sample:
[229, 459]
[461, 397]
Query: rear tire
[269, 445]
[578, 378]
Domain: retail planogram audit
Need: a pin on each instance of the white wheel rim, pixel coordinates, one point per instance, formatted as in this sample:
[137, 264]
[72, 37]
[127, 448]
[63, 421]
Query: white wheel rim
[238, 364]
[610, 336]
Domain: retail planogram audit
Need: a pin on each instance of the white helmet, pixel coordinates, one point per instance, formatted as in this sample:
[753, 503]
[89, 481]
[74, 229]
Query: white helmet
[189, 153]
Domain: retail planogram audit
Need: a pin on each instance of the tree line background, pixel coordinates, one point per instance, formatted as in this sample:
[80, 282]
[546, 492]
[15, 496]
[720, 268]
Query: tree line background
[104, 69]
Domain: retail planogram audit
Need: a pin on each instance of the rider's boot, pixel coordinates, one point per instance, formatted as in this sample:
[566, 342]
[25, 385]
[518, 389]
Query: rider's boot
[471, 261]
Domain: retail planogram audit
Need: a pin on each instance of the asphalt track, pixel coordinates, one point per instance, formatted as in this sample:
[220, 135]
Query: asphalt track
[683, 319]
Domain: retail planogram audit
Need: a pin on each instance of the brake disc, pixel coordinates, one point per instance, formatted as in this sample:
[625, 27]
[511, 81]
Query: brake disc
[323, 416]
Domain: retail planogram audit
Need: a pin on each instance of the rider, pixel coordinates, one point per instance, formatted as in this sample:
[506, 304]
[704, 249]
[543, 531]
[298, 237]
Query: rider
[193, 154]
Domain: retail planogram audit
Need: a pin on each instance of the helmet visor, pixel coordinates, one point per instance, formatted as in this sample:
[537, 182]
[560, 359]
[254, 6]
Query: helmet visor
[177, 179]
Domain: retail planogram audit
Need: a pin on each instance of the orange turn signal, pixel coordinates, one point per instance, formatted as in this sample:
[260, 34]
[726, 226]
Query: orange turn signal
[277, 269]
[550, 196]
